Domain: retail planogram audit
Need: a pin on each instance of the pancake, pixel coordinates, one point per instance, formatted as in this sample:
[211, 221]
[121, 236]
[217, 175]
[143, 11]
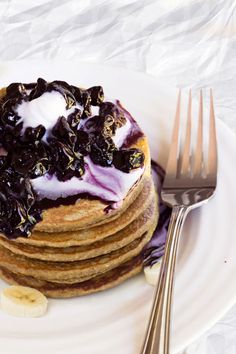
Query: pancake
[132, 231]
[90, 212]
[70, 271]
[90, 235]
[55, 290]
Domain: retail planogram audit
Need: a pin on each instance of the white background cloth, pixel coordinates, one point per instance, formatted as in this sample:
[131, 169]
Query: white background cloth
[188, 43]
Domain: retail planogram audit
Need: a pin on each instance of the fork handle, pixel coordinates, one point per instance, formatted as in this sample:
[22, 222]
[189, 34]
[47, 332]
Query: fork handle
[158, 331]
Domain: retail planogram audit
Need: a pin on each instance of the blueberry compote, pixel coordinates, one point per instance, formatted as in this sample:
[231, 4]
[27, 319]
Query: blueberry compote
[33, 151]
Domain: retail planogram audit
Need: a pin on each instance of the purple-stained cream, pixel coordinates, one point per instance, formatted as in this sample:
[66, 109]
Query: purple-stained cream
[106, 183]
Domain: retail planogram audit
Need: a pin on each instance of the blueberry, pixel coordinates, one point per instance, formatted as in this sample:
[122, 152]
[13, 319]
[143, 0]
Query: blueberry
[83, 142]
[63, 84]
[10, 118]
[34, 134]
[8, 115]
[85, 98]
[39, 90]
[74, 118]
[109, 126]
[93, 124]
[31, 160]
[70, 101]
[77, 92]
[24, 160]
[96, 94]
[86, 102]
[87, 112]
[101, 125]
[12, 90]
[15, 89]
[8, 177]
[109, 108]
[63, 131]
[40, 168]
[127, 160]
[11, 136]
[102, 151]
[67, 162]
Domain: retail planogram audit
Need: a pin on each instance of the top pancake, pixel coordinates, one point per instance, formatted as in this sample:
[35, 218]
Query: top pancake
[89, 212]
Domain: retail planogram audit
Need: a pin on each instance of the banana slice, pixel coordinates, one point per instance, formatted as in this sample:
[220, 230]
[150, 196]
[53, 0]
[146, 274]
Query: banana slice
[22, 301]
[152, 273]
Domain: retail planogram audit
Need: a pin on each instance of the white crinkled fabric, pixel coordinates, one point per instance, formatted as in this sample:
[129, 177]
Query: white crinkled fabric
[188, 43]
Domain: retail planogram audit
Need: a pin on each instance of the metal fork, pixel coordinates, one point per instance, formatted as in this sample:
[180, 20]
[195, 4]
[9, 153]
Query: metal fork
[190, 181]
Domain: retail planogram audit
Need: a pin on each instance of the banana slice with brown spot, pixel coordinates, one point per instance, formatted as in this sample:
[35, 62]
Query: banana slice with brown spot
[22, 301]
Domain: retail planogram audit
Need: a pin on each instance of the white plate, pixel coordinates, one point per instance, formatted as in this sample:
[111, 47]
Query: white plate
[114, 321]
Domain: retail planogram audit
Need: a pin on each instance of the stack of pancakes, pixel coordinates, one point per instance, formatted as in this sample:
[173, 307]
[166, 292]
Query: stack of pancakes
[84, 248]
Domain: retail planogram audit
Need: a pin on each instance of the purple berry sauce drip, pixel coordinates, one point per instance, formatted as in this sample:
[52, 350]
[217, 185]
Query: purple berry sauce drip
[154, 250]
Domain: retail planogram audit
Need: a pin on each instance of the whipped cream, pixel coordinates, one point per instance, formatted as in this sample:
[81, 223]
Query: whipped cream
[44, 110]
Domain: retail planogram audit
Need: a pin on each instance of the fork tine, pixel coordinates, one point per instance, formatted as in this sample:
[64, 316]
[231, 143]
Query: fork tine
[185, 167]
[212, 152]
[197, 169]
[171, 168]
